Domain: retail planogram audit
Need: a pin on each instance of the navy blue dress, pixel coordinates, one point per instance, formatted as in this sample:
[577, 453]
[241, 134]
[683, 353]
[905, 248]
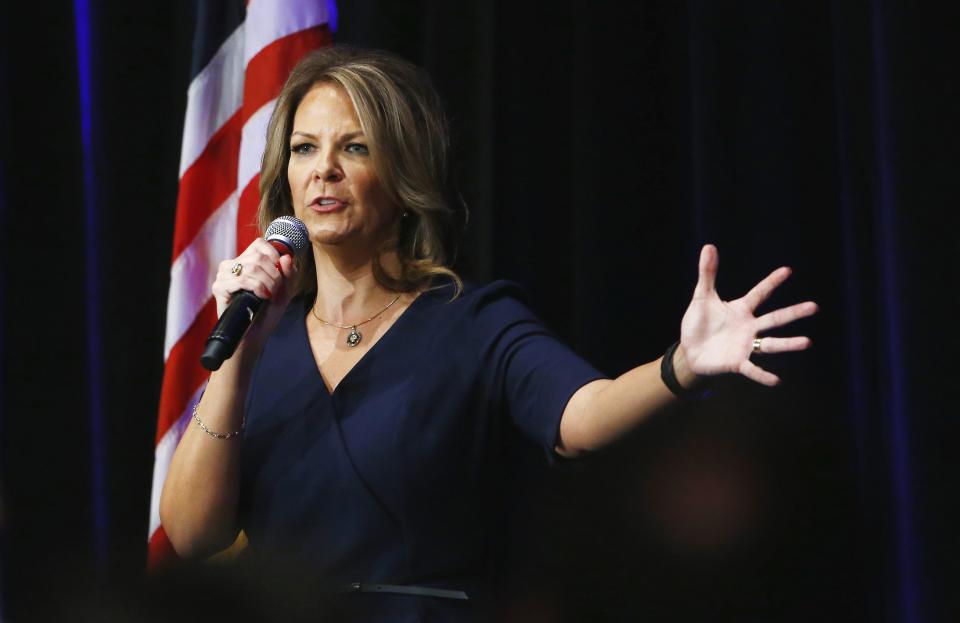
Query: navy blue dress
[394, 477]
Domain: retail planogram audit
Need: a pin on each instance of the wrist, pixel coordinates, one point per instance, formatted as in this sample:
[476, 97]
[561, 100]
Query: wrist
[676, 373]
[238, 368]
[687, 378]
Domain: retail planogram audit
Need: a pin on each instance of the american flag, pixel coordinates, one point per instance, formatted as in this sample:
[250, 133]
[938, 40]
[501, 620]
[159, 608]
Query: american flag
[241, 58]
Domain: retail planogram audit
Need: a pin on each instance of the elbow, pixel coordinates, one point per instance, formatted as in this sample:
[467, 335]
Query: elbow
[578, 433]
[191, 538]
[578, 427]
[180, 538]
[573, 441]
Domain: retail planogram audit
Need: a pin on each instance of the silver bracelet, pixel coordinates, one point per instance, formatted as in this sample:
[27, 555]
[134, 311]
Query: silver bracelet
[196, 417]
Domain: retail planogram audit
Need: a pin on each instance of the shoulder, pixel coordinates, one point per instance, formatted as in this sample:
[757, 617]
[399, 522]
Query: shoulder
[477, 297]
[482, 314]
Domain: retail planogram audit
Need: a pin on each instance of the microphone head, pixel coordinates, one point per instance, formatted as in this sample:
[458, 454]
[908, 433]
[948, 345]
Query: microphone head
[290, 231]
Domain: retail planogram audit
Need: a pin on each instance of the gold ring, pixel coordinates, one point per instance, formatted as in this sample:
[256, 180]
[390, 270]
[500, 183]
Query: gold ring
[237, 269]
[756, 344]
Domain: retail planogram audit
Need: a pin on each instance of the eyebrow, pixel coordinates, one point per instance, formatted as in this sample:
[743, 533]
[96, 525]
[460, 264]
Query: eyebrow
[346, 137]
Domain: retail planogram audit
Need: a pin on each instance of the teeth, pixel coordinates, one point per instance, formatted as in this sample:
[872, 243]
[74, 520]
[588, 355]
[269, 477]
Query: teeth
[326, 202]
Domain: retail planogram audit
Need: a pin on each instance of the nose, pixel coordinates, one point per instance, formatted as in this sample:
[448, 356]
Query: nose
[327, 168]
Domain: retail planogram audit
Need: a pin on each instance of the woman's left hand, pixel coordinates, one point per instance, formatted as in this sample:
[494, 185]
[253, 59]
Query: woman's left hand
[718, 336]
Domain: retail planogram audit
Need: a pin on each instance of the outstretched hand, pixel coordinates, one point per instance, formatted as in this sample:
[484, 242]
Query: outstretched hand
[718, 336]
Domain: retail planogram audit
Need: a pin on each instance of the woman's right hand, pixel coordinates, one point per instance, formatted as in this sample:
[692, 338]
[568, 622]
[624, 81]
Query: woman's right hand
[264, 272]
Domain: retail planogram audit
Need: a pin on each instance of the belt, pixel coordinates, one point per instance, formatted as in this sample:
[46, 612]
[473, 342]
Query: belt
[400, 589]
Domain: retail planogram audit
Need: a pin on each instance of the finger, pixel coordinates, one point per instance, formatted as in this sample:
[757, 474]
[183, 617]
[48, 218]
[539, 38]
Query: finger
[261, 266]
[224, 284]
[253, 245]
[755, 373]
[225, 290]
[261, 246]
[220, 291]
[785, 315]
[254, 284]
[225, 268]
[267, 275]
[287, 266]
[259, 252]
[267, 248]
[272, 269]
[707, 279]
[265, 256]
[765, 288]
[784, 344]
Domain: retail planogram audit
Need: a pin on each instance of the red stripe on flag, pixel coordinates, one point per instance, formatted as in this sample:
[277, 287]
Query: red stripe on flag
[183, 374]
[247, 228]
[161, 553]
[207, 183]
[268, 70]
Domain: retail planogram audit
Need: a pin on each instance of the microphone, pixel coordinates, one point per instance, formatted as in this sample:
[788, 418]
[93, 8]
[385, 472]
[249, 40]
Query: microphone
[288, 235]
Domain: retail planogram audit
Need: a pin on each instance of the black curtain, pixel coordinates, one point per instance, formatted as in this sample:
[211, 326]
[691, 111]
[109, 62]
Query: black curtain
[599, 145]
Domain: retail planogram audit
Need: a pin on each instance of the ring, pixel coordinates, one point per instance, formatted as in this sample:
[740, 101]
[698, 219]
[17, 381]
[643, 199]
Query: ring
[756, 344]
[237, 269]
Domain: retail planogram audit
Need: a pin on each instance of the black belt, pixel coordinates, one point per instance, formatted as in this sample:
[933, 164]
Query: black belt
[400, 589]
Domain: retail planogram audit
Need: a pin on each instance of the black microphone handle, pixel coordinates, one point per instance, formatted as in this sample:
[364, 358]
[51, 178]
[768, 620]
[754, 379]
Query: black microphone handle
[230, 328]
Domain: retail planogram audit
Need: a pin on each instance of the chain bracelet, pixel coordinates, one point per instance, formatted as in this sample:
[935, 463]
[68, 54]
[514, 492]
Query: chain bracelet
[203, 426]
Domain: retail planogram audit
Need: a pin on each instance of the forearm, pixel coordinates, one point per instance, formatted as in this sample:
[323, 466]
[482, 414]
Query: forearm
[198, 505]
[604, 411]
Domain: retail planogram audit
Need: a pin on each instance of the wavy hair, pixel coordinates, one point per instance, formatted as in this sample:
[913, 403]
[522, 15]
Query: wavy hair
[401, 114]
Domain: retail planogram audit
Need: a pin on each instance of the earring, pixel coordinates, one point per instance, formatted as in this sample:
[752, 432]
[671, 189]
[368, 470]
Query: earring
[405, 214]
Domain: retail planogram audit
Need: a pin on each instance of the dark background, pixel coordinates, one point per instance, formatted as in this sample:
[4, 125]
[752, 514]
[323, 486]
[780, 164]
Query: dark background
[599, 145]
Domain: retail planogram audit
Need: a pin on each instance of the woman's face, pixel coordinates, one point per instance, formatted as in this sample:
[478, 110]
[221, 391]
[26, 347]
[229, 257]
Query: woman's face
[335, 190]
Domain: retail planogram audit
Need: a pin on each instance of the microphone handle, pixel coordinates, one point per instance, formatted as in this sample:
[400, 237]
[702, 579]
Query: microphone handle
[228, 332]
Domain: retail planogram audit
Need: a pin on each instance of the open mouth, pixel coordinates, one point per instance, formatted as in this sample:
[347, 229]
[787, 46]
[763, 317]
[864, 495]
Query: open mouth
[327, 204]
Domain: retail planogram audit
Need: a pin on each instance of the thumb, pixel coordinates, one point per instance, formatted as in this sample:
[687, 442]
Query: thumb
[287, 266]
[288, 269]
[709, 262]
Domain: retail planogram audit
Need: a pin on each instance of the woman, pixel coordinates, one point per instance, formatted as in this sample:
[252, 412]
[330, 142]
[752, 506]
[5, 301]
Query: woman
[376, 393]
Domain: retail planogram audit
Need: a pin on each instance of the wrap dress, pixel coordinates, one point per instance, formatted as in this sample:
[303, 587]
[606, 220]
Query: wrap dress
[395, 476]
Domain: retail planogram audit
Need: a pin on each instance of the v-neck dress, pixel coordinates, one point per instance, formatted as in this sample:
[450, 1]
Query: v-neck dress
[394, 476]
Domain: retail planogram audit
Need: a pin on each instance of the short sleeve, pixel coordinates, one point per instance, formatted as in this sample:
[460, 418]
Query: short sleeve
[532, 374]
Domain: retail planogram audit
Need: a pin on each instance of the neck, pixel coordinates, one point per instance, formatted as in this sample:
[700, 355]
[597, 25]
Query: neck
[347, 291]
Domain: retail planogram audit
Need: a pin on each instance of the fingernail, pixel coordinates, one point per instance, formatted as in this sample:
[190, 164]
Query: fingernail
[269, 293]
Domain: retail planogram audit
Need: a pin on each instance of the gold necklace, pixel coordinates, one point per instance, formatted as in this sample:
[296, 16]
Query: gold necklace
[354, 337]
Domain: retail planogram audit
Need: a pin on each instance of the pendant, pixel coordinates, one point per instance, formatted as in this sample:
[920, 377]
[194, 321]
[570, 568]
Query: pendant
[354, 337]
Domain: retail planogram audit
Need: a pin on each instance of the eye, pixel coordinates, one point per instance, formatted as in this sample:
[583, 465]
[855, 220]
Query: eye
[302, 148]
[357, 148]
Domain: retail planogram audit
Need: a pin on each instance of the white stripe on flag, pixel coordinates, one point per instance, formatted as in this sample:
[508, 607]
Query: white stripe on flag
[267, 22]
[164, 454]
[195, 269]
[252, 142]
[214, 95]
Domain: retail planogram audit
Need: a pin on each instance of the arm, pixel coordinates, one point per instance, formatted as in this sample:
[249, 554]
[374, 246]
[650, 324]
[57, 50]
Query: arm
[716, 337]
[198, 504]
[603, 411]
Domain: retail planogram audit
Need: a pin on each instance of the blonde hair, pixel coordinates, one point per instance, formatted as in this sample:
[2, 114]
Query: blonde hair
[401, 115]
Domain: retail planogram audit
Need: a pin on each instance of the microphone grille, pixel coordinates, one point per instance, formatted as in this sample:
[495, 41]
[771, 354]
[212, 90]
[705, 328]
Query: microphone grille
[290, 230]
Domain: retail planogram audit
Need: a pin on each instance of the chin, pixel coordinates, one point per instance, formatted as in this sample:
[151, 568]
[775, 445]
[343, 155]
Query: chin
[327, 238]
[330, 237]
